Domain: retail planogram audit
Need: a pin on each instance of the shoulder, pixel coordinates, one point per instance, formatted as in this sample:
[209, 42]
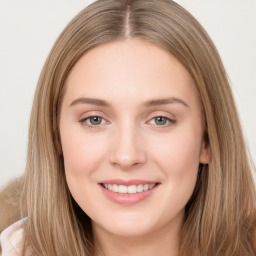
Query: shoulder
[11, 239]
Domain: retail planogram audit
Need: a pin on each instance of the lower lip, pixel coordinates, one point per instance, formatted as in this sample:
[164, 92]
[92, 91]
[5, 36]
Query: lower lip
[128, 199]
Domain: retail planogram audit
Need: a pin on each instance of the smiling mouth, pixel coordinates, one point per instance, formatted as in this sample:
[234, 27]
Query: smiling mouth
[131, 189]
[128, 192]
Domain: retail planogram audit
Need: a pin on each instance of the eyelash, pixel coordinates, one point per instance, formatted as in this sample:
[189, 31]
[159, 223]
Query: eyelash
[84, 122]
[168, 120]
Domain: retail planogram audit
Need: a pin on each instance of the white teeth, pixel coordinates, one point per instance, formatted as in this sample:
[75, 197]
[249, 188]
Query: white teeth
[145, 187]
[151, 186]
[139, 188]
[132, 189]
[115, 188]
[122, 189]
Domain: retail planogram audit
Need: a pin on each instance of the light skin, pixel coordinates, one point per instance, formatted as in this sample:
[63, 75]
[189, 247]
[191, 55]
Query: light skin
[148, 125]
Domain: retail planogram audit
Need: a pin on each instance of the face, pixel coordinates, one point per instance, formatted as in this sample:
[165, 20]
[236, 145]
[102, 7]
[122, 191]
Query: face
[131, 130]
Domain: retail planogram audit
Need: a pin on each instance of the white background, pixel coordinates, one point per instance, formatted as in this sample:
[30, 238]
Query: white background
[28, 29]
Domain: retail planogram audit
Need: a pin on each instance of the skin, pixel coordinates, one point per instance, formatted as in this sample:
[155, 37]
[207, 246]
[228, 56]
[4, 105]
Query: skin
[129, 143]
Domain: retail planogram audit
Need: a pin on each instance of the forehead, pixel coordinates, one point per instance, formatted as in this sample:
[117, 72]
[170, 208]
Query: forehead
[129, 70]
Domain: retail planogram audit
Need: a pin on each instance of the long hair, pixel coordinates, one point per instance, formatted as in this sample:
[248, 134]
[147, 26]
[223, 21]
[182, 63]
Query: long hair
[220, 217]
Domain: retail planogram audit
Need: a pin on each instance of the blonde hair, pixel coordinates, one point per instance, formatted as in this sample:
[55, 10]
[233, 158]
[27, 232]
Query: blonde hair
[220, 216]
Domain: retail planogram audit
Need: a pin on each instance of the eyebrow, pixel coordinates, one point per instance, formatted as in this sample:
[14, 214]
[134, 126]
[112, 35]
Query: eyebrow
[91, 101]
[164, 101]
[150, 103]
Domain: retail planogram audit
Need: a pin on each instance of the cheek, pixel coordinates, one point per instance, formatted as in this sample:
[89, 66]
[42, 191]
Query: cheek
[178, 153]
[82, 152]
[178, 159]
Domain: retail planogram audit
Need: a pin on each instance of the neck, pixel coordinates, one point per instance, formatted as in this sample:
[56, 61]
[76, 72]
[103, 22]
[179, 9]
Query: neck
[163, 241]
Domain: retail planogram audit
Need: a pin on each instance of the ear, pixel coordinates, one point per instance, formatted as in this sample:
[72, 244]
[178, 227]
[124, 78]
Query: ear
[204, 152]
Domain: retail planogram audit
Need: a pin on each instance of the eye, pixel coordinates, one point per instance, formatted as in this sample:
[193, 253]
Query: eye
[161, 121]
[93, 121]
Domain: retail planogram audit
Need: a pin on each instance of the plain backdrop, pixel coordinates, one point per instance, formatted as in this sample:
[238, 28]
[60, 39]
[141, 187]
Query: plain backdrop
[28, 29]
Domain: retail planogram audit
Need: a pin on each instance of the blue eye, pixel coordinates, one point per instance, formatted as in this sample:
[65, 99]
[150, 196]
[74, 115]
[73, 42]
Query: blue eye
[161, 121]
[93, 121]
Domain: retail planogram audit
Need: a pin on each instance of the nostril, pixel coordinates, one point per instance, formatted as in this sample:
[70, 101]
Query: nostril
[126, 161]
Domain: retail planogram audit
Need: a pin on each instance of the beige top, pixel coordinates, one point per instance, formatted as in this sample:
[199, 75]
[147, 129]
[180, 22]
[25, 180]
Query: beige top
[11, 239]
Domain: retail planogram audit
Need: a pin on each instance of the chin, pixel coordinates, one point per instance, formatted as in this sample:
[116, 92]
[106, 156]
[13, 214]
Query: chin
[128, 230]
[127, 226]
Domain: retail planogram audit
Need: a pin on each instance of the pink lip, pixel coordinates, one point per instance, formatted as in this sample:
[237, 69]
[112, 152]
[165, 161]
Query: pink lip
[127, 199]
[128, 182]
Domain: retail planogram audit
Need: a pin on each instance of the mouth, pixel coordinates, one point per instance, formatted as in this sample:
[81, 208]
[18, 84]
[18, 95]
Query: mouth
[131, 189]
[128, 192]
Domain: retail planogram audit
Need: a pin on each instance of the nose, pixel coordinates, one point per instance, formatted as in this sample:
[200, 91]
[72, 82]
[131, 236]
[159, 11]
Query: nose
[127, 149]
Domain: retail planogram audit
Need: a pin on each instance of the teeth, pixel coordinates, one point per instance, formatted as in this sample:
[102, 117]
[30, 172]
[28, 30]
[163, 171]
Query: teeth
[115, 188]
[145, 187]
[122, 189]
[132, 189]
[151, 186]
[139, 188]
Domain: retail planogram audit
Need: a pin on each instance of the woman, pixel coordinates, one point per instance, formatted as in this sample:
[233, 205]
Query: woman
[135, 146]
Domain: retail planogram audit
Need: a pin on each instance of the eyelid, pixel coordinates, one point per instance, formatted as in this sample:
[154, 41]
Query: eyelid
[162, 113]
[171, 120]
[90, 114]
[88, 125]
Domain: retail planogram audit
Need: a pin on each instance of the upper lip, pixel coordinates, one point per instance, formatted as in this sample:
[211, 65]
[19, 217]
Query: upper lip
[128, 182]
